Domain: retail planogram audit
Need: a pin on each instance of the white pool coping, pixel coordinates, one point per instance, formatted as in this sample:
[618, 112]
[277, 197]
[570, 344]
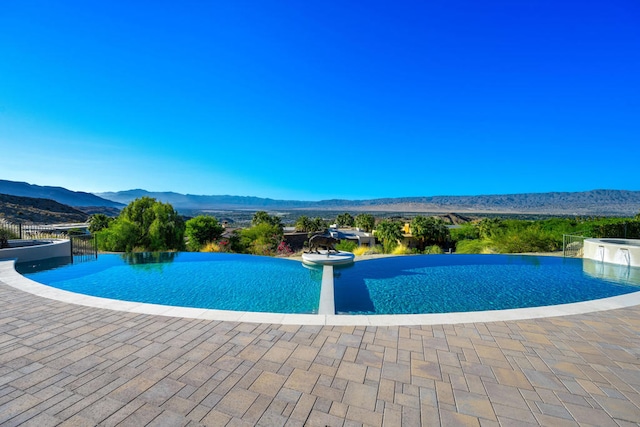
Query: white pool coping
[10, 277]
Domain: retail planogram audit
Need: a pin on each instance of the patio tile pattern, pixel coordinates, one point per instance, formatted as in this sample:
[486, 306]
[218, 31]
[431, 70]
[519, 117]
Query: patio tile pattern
[70, 365]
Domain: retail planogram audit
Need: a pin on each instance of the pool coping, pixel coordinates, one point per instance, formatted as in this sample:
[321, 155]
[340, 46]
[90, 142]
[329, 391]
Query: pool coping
[10, 277]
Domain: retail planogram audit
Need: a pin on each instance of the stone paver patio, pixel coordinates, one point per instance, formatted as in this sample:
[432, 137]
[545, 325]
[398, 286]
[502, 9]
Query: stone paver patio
[65, 364]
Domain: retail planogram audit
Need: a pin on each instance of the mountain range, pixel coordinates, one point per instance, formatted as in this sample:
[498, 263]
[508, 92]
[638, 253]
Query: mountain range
[59, 194]
[586, 203]
[595, 202]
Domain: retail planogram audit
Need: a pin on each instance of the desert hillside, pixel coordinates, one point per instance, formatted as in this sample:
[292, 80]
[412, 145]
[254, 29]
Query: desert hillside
[29, 210]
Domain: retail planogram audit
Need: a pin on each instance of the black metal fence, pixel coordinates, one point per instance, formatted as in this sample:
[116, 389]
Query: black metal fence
[83, 247]
[20, 231]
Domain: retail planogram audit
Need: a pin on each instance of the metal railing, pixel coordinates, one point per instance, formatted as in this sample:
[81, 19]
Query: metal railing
[33, 231]
[84, 247]
[572, 245]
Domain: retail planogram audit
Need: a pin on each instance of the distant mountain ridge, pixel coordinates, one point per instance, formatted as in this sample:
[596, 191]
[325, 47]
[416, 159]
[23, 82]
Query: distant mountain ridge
[595, 202]
[59, 194]
[30, 210]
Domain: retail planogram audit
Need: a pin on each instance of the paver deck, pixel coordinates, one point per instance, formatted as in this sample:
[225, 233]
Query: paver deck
[66, 364]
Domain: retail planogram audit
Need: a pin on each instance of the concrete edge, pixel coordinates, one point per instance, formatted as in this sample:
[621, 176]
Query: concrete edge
[10, 277]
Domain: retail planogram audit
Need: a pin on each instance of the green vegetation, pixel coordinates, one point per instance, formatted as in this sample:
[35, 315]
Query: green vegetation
[149, 225]
[347, 245]
[304, 224]
[345, 220]
[144, 225]
[433, 250]
[466, 231]
[261, 239]
[5, 236]
[517, 236]
[365, 222]
[264, 237]
[401, 249]
[201, 231]
[98, 222]
[429, 231]
[389, 232]
[261, 217]
[368, 250]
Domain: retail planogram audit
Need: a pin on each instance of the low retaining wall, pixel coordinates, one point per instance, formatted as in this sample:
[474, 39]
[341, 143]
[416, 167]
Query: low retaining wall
[35, 250]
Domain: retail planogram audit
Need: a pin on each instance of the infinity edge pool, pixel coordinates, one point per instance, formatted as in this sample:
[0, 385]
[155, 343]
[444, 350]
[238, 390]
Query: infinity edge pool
[10, 277]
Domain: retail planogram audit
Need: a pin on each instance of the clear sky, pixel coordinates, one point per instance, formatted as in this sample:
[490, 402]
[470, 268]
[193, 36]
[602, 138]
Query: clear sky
[313, 100]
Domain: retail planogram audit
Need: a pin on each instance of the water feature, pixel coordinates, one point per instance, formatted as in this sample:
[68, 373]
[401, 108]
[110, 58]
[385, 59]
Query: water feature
[612, 250]
[623, 257]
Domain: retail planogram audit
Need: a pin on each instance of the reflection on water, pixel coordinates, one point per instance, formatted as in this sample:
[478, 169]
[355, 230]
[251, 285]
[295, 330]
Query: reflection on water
[611, 272]
[43, 264]
[137, 258]
[315, 272]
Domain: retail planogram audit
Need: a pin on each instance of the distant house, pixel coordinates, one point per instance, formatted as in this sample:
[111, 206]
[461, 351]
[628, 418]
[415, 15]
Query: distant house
[354, 234]
[297, 239]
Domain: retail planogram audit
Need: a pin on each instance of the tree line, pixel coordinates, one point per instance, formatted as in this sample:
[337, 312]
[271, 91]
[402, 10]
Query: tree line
[147, 225]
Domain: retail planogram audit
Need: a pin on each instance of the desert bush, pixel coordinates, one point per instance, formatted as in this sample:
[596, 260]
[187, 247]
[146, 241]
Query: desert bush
[466, 231]
[433, 250]
[368, 250]
[360, 250]
[531, 239]
[475, 246]
[283, 249]
[202, 230]
[5, 236]
[346, 245]
[401, 249]
[211, 247]
[261, 239]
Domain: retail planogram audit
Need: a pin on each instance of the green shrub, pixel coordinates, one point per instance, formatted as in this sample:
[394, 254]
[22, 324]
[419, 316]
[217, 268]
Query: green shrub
[346, 245]
[144, 225]
[401, 249]
[201, 231]
[531, 239]
[261, 239]
[368, 250]
[475, 247]
[466, 231]
[433, 250]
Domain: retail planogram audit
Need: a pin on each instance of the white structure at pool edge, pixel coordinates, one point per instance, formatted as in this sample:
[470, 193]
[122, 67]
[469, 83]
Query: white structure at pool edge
[328, 258]
[624, 252]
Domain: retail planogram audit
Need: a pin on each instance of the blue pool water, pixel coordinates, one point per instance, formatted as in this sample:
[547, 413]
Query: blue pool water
[188, 279]
[399, 285]
[460, 283]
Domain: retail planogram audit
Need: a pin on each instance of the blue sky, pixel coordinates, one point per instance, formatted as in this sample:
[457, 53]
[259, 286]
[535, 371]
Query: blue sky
[317, 100]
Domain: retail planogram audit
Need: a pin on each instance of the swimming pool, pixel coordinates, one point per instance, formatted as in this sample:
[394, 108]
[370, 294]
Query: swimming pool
[399, 285]
[464, 283]
[189, 279]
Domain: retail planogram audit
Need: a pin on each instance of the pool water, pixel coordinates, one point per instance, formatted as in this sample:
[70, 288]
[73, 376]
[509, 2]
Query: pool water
[398, 285]
[188, 279]
[461, 283]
